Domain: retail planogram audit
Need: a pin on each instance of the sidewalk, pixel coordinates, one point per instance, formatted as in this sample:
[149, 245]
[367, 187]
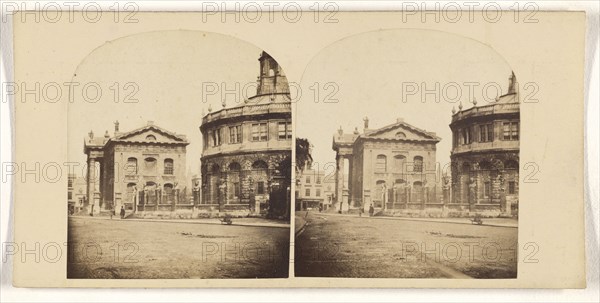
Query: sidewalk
[255, 222]
[300, 223]
[497, 222]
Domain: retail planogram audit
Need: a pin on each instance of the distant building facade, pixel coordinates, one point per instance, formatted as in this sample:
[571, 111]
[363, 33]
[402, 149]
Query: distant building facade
[141, 170]
[76, 193]
[311, 190]
[393, 167]
[246, 155]
[485, 155]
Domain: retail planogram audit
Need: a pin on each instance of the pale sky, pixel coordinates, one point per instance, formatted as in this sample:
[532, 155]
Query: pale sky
[169, 68]
[368, 70]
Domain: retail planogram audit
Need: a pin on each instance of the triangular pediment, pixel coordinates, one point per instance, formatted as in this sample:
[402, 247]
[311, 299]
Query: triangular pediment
[401, 131]
[150, 134]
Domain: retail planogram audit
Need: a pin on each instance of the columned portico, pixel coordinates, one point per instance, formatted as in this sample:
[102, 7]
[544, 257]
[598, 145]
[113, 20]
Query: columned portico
[93, 149]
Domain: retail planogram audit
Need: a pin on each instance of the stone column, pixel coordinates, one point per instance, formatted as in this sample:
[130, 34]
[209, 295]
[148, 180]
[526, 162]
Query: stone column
[339, 181]
[91, 184]
[350, 187]
[101, 186]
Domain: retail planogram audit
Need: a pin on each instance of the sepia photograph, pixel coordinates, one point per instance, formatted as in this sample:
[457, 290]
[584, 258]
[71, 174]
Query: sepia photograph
[299, 148]
[409, 166]
[188, 174]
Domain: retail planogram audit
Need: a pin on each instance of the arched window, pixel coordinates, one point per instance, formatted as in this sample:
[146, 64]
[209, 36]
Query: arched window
[485, 165]
[400, 135]
[234, 166]
[466, 167]
[418, 164]
[259, 164]
[168, 166]
[168, 188]
[511, 164]
[132, 166]
[381, 164]
[150, 164]
[150, 138]
[399, 161]
[271, 72]
[260, 173]
[400, 181]
[234, 186]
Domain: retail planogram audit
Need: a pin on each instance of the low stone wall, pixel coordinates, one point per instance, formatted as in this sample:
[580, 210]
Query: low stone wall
[189, 211]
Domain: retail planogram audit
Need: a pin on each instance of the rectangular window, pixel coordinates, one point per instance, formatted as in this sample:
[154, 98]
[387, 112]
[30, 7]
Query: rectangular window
[216, 137]
[511, 187]
[284, 130]
[510, 130]
[259, 132]
[486, 133]
[318, 179]
[70, 195]
[236, 189]
[235, 134]
[318, 193]
[307, 179]
[487, 188]
[70, 182]
[307, 193]
[260, 188]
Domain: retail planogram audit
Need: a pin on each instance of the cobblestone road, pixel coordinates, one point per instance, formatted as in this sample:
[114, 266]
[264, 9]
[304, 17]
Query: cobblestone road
[347, 246]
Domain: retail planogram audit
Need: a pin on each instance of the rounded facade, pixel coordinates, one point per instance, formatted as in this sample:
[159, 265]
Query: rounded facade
[247, 149]
[485, 156]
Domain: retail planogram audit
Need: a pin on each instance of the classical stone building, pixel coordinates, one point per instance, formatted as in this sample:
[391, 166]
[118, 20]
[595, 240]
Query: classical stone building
[485, 156]
[393, 167]
[246, 156]
[143, 169]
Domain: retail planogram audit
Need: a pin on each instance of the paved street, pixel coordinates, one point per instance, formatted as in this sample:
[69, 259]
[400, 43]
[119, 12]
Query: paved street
[131, 249]
[348, 246]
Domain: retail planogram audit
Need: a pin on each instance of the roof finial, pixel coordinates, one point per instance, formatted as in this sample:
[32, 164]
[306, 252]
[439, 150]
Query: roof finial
[460, 106]
[210, 108]
[106, 135]
[366, 120]
[453, 110]
[356, 131]
[340, 130]
[474, 102]
[91, 134]
[224, 103]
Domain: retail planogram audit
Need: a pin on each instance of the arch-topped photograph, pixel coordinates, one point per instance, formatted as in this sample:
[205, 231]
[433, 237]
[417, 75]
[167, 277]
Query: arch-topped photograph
[444, 167]
[218, 155]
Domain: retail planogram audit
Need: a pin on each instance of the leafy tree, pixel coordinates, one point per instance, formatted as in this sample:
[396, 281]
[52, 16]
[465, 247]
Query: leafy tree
[303, 156]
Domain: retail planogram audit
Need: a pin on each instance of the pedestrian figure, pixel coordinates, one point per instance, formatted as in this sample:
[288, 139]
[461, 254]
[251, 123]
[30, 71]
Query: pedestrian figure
[122, 212]
[371, 210]
[112, 212]
[361, 209]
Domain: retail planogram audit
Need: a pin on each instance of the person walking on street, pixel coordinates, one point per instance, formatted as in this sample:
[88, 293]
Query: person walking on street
[361, 210]
[122, 212]
[371, 210]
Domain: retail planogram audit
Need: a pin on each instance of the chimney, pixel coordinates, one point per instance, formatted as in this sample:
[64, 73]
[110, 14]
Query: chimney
[512, 83]
[116, 128]
[340, 131]
[91, 134]
[366, 120]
